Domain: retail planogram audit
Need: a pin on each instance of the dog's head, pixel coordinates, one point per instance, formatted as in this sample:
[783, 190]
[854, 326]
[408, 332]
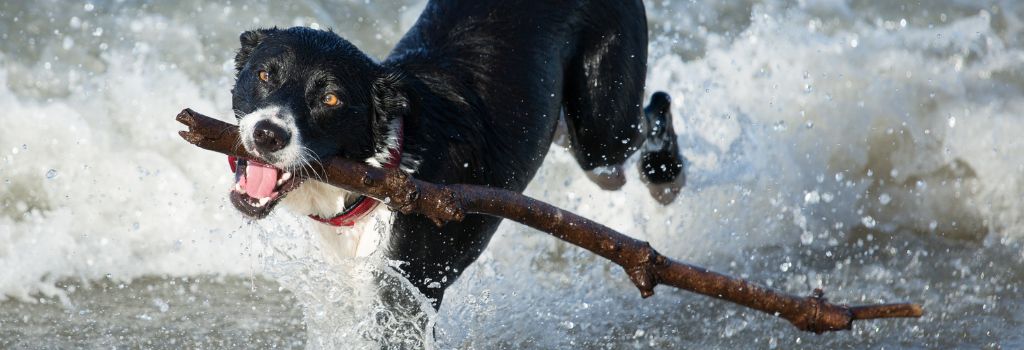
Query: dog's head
[302, 94]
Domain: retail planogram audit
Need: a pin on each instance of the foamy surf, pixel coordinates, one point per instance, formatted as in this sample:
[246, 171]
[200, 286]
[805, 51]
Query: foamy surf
[870, 149]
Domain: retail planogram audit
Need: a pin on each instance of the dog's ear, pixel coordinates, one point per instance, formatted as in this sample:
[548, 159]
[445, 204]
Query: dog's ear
[390, 102]
[250, 40]
[389, 99]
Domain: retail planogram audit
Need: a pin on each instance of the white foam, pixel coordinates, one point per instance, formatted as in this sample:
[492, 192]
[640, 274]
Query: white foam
[125, 197]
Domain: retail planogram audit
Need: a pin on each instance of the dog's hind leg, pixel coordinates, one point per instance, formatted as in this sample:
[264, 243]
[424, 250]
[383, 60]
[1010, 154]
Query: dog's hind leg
[604, 86]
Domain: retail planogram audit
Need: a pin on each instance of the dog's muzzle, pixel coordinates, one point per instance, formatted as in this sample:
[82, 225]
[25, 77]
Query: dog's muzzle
[269, 137]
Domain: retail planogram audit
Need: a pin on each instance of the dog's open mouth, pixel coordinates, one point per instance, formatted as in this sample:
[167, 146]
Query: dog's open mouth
[259, 187]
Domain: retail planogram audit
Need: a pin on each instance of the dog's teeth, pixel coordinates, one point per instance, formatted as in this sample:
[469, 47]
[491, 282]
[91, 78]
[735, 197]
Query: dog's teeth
[284, 177]
[264, 201]
[238, 188]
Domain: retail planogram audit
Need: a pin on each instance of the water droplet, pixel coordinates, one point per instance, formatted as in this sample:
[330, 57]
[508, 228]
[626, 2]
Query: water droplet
[812, 197]
[51, 174]
[827, 197]
[952, 121]
[868, 221]
[807, 238]
[884, 199]
[785, 266]
[161, 305]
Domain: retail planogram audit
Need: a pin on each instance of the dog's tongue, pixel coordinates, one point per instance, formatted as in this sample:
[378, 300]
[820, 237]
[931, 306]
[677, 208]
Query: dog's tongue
[260, 180]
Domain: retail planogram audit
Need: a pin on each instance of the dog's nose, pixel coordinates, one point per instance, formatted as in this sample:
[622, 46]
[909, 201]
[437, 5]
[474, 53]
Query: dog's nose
[269, 137]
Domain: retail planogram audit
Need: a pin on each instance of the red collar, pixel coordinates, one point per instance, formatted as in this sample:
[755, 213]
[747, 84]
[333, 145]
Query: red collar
[363, 205]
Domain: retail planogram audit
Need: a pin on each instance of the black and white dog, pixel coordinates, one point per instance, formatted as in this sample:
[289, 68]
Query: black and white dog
[472, 94]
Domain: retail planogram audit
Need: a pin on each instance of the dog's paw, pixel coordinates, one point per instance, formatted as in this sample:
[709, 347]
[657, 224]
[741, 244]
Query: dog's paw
[609, 178]
[661, 166]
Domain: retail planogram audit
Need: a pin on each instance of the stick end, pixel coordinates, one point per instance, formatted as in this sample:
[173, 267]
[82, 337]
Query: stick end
[916, 310]
[186, 116]
[190, 137]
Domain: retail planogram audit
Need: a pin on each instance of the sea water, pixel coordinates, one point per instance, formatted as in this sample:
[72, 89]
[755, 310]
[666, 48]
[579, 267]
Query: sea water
[869, 148]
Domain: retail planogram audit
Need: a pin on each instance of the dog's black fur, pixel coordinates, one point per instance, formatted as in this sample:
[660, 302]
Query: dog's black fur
[480, 85]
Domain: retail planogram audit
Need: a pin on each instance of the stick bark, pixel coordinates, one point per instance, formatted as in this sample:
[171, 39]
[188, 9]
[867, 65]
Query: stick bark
[645, 267]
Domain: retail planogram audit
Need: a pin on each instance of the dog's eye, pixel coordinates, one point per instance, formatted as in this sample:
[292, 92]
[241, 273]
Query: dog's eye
[264, 76]
[330, 100]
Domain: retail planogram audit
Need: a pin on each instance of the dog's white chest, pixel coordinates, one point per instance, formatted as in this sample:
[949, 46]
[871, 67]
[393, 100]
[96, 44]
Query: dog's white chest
[366, 238]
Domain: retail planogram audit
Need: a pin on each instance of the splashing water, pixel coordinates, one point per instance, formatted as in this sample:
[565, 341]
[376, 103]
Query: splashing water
[868, 148]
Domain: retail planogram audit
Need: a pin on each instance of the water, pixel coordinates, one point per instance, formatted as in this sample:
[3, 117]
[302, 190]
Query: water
[868, 148]
[152, 312]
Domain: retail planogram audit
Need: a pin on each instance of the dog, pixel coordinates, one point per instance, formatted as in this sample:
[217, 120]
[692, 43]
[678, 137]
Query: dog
[473, 94]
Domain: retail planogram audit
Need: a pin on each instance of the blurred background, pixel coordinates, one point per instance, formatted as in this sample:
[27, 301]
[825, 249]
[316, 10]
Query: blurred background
[869, 148]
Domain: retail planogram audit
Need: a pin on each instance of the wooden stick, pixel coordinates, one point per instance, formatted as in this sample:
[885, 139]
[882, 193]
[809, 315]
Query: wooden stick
[645, 267]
